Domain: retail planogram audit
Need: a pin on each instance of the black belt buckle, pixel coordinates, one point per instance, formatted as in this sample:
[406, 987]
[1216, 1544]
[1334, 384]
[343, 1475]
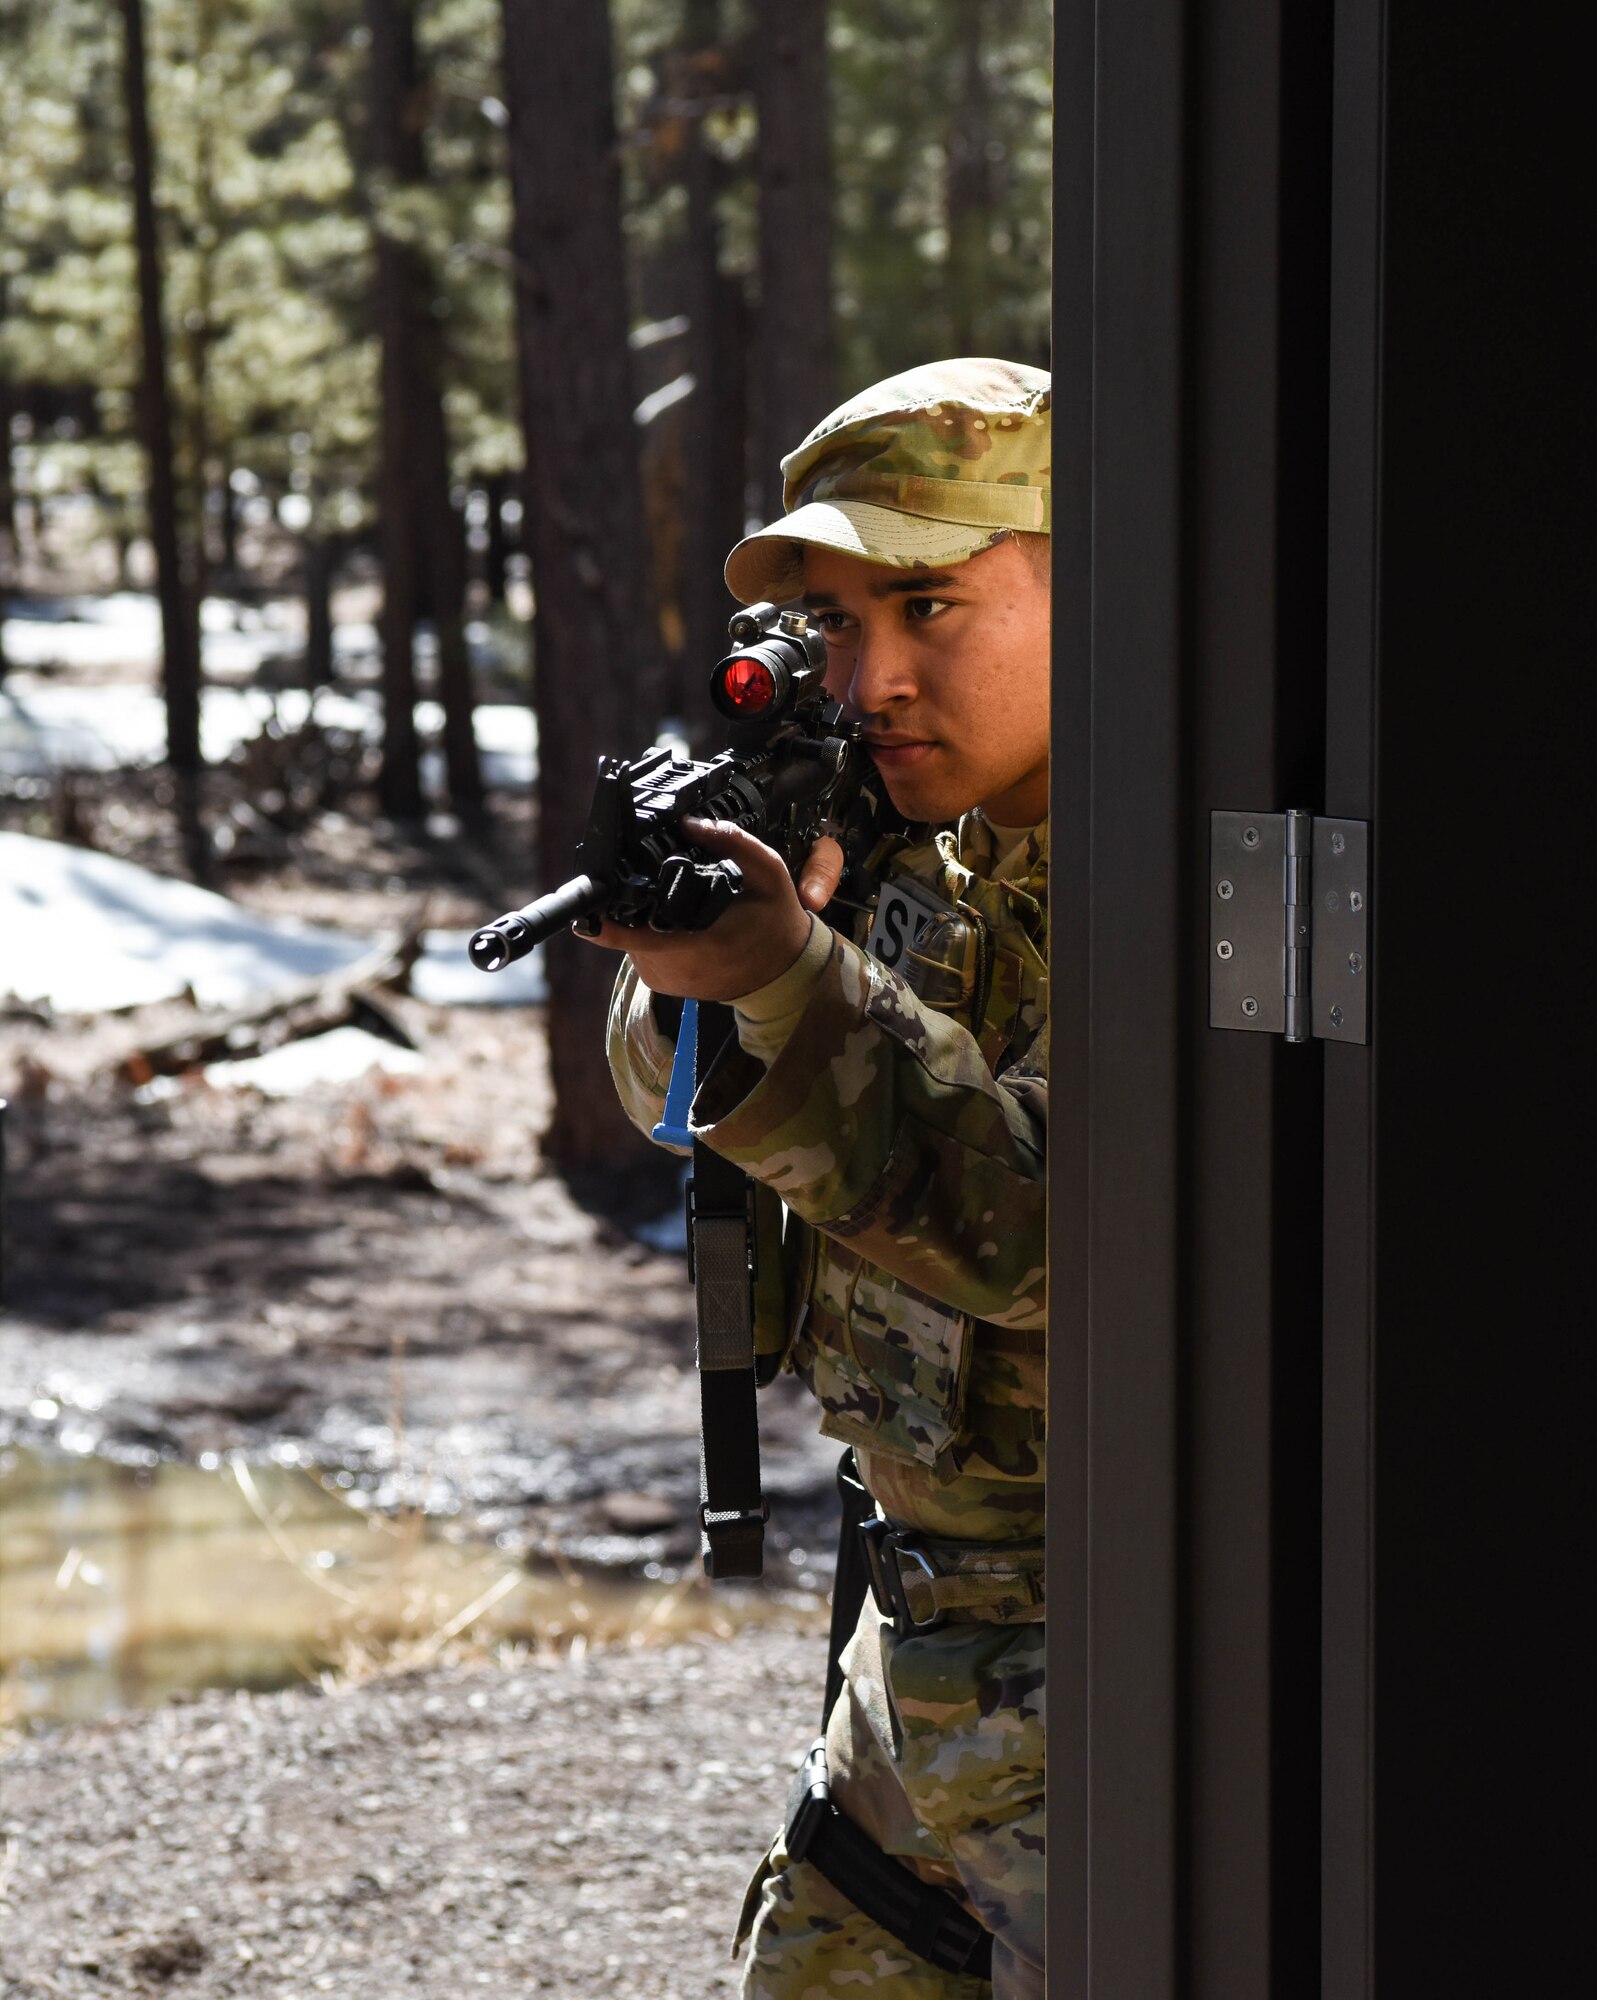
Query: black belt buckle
[809, 1802]
[732, 1517]
[884, 1546]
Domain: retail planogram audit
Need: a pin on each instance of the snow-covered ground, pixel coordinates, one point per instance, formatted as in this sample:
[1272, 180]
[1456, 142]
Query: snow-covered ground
[85, 933]
[82, 932]
[123, 630]
[47, 725]
[338, 1056]
[46, 728]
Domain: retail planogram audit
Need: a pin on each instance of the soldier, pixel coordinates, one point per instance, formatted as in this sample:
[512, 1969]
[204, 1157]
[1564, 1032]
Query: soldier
[892, 1087]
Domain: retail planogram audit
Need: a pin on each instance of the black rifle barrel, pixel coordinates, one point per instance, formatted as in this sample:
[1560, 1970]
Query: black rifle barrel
[513, 935]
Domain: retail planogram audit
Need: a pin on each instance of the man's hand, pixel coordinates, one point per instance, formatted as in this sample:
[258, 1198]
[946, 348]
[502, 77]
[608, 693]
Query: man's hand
[756, 940]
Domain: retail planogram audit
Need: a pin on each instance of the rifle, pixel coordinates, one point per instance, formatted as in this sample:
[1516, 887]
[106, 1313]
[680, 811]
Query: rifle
[791, 774]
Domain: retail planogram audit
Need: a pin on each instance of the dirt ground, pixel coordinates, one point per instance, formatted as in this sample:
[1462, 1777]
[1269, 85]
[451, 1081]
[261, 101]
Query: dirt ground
[382, 1277]
[566, 1827]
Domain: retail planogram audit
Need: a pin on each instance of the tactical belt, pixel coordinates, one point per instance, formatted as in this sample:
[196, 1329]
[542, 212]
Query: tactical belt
[920, 1583]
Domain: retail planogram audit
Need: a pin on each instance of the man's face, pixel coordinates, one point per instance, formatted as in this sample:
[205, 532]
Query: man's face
[949, 672]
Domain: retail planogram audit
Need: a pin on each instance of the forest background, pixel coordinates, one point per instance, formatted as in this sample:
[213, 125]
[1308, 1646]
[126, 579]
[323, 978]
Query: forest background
[508, 309]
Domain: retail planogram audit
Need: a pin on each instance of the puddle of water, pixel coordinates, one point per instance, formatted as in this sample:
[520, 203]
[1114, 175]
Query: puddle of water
[124, 1585]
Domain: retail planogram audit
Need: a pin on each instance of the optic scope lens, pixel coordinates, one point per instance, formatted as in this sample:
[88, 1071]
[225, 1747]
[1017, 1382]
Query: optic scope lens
[749, 685]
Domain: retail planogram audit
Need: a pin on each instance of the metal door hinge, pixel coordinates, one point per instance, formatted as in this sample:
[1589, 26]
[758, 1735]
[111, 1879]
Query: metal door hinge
[1289, 918]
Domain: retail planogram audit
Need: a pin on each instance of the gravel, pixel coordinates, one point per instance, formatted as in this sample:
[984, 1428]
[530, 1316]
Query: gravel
[562, 1825]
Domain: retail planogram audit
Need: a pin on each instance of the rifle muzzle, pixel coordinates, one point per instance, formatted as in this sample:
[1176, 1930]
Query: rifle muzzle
[513, 935]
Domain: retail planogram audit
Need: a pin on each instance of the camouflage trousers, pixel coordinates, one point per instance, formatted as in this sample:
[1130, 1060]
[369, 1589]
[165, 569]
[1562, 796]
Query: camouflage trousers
[936, 1750]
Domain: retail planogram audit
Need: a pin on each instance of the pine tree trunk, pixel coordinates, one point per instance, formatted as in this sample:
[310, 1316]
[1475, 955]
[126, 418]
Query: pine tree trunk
[797, 354]
[176, 584]
[395, 157]
[317, 553]
[441, 536]
[8, 505]
[227, 513]
[716, 421]
[593, 631]
[969, 193]
[496, 556]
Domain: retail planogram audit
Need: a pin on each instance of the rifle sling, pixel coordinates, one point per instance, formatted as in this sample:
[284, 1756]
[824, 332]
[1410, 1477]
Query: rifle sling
[732, 1508]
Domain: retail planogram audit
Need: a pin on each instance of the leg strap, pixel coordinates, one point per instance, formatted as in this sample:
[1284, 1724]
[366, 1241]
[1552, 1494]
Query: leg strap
[926, 1920]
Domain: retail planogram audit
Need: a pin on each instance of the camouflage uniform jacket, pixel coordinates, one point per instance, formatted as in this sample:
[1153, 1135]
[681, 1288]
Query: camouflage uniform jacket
[911, 1152]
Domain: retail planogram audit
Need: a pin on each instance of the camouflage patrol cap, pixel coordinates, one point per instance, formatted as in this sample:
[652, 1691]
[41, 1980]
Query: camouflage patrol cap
[925, 469]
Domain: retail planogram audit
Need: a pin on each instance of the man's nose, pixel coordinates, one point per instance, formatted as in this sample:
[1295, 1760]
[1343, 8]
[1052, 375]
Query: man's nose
[881, 673]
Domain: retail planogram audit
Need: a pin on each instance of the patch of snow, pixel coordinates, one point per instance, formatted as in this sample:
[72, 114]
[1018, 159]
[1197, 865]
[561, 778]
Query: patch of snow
[507, 741]
[506, 744]
[109, 631]
[445, 977]
[85, 932]
[46, 728]
[123, 629]
[356, 641]
[339, 1056]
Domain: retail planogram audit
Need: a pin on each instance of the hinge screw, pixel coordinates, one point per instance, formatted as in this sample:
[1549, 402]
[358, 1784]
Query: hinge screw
[1354, 962]
[1337, 1017]
[1338, 843]
[1224, 891]
[1223, 948]
[1332, 900]
[1355, 901]
[1250, 836]
[1250, 1006]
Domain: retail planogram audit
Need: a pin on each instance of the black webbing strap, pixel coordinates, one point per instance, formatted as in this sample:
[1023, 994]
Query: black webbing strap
[732, 1509]
[851, 1579]
[926, 1920]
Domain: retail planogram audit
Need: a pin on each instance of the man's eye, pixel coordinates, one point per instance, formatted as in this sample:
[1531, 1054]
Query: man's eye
[831, 622]
[922, 608]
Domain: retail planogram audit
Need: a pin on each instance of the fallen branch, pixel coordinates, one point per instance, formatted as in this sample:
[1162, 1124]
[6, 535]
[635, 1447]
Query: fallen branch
[287, 1014]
